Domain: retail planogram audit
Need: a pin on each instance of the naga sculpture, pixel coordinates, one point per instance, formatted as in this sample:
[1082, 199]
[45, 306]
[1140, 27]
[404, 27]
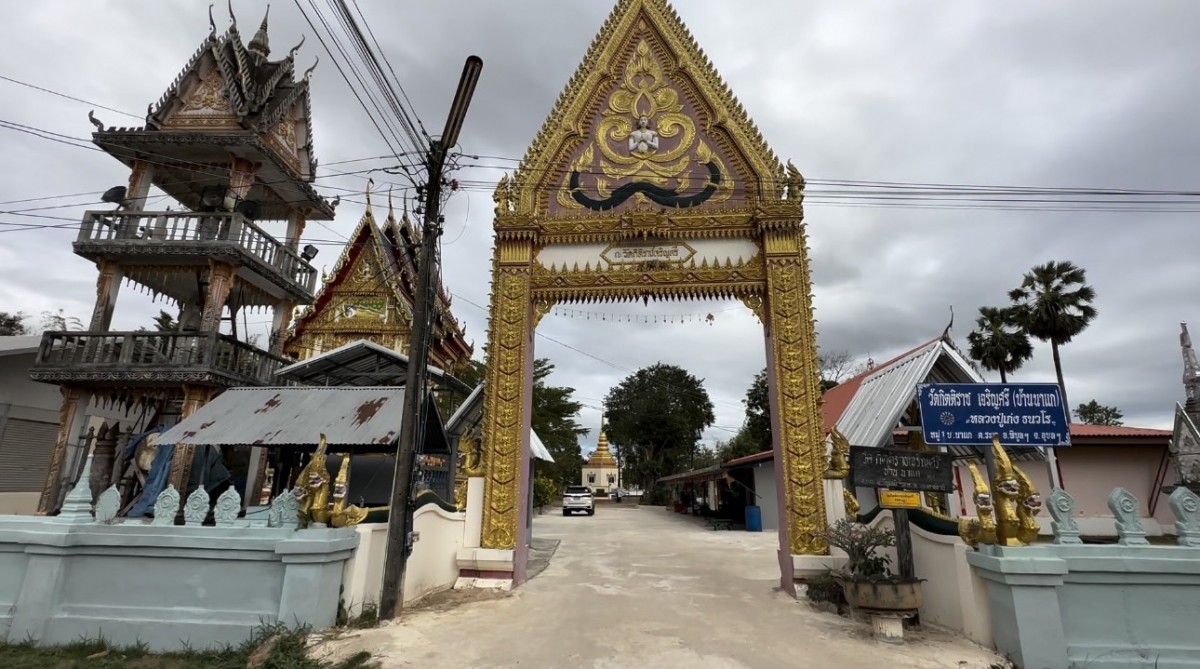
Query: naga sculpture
[312, 489]
[981, 530]
[1010, 518]
[839, 456]
[342, 513]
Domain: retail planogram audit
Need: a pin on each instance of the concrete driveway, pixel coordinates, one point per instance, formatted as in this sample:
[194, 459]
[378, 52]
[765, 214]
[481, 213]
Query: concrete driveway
[641, 587]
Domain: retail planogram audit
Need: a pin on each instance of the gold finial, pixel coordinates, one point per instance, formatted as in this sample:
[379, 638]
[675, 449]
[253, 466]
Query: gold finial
[391, 211]
[370, 182]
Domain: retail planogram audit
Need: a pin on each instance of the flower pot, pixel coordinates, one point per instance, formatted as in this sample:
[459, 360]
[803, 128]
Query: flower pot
[883, 595]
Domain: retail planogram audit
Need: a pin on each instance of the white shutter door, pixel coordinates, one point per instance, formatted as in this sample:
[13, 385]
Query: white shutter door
[25, 450]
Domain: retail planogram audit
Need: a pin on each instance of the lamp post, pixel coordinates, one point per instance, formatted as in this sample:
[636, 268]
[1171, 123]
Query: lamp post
[412, 427]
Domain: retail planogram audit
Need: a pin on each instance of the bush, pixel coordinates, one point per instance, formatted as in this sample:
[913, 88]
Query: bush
[543, 492]
[861, 543]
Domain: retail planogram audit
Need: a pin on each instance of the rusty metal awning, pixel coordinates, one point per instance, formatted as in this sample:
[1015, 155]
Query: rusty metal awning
[294, 416]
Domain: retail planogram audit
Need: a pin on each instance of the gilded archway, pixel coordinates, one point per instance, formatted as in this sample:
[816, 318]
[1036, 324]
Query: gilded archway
[647, 181]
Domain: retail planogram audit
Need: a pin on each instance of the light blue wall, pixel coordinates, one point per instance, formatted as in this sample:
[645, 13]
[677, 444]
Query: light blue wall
[1094, 606]
[166, 586]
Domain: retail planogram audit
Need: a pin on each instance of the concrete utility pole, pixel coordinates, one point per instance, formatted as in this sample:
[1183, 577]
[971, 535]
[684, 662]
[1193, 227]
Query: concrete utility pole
[412, 427]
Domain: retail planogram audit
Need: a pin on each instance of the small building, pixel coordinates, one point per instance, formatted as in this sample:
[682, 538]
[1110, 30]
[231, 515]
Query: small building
[601, 473]
[28, 425]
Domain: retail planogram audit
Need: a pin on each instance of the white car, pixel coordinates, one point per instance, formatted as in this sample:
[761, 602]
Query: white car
[578, 498]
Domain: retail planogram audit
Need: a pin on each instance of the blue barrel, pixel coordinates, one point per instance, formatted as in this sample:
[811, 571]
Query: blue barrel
[753, 518]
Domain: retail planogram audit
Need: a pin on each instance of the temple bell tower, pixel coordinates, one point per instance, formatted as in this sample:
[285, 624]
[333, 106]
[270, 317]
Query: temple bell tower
[230, 141]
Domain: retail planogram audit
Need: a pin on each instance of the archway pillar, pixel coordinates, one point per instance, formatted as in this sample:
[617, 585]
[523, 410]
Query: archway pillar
[508, 403]
[793, 378]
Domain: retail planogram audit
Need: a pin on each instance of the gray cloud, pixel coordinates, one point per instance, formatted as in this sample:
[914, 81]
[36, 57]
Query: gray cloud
[1059, 94]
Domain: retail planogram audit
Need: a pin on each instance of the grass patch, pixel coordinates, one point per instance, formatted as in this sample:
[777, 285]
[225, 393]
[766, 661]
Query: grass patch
[273, 647]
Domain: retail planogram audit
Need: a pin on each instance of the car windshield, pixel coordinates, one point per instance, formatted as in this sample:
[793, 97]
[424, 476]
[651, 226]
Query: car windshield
[577, 489]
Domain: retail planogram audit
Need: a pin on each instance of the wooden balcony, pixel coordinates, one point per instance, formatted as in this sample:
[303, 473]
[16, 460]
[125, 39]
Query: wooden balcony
[152, 359]
[186, 239]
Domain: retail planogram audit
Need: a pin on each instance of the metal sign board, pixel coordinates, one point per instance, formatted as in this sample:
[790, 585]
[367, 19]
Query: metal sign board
[900, 469]
[899, 499]
[970, 414]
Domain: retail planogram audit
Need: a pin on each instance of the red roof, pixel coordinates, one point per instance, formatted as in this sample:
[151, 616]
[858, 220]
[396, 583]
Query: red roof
[1116, 431]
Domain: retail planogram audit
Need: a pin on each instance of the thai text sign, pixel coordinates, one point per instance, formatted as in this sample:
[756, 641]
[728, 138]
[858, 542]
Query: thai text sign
[899, 499]
[900, 469]
[632, 254]
[1023, 414]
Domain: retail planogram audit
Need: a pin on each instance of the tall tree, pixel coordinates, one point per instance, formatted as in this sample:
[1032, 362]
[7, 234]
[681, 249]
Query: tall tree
[553, 420]
[755, 435]
[58, 320]
[656, 415]
[835, 366]
[999, 343]
[1054, 304]
[13, 324]
[1096, 413]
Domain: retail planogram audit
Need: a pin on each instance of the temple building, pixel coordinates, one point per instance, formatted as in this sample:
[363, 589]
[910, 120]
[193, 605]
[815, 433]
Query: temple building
[369, 296]
[230, 145]
[601, 473]
[1185, 441]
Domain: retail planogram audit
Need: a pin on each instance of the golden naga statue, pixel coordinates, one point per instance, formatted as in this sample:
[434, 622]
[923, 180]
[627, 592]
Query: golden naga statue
[1015, 508]
[470, 464]
[795, 183]
[981, 530]
[839, 456]
[343, 514]
[851, 504]
[312, 489]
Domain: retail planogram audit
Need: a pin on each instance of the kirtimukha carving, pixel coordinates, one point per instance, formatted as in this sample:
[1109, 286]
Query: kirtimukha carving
[108, 505]
[166, 506]
[1127, 512]
[196, 508]
[1185, 504]
[227, 508]
[1062, 510]
[980, 530]
[312, 489]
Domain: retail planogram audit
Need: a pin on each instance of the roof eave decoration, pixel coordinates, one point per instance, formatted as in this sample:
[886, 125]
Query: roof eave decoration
[567, 117]
[258, 106]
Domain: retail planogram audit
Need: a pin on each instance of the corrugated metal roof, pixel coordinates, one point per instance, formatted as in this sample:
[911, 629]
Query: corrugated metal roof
[360, 363]
[18, 344]
[294, 416]
[470, 412]
[537, 449]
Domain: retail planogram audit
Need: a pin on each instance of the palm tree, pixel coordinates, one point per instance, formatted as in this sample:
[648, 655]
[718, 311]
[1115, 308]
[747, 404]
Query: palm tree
[999, 343]
[1054, 304]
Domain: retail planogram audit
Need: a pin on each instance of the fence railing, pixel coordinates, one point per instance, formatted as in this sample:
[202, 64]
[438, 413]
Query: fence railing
[137, 351]
[148, 228]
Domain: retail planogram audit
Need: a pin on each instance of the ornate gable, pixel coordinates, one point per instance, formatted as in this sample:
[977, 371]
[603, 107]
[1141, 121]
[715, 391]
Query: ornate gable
[358, 300]
[645, 123]
[227, 85]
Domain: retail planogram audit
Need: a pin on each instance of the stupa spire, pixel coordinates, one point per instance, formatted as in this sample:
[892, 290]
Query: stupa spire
[260, 44]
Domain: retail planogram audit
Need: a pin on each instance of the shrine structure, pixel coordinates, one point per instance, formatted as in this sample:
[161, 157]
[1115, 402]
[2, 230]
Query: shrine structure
[369, 296]
[647, 181]
[231, 143]
[601, 472]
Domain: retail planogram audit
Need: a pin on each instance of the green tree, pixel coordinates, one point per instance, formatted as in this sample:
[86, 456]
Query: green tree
[656, 415]
[13, 324]
[57, 320]
[1095, 413]
[999, 343]
[1054, 304]
[553, 420]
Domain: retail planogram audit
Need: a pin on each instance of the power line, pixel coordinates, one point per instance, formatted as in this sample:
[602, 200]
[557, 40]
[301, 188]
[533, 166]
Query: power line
[70, 97]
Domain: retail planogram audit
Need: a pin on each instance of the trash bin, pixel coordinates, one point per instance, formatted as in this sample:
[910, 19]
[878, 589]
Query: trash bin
[753, 518]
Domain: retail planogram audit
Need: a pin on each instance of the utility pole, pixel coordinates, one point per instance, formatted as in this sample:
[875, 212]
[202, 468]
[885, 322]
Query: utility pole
[412, 427]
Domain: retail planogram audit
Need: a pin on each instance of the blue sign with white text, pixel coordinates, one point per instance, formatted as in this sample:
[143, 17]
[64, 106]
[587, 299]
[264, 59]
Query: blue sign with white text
[970, 414]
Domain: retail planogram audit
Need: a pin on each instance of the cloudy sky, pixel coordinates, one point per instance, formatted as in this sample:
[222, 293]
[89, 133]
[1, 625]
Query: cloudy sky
[1083, 94]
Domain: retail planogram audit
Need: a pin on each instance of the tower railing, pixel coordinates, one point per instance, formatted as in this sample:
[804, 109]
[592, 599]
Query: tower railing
[201, 231]
[141, 356]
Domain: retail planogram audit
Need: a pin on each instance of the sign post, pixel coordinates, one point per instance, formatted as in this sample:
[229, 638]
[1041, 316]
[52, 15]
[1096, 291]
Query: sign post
[971, 414]
[904, 474]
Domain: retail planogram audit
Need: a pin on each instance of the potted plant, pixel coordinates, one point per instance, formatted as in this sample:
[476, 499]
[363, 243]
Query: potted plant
[867, 580]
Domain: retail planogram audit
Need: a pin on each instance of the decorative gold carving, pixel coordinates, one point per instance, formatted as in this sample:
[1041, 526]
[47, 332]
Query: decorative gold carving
[695, 280]
[722, 116]
[850, 502]
[504, 419]
[1015, 510]
[312, 488]
[205, 106]
[839, 456]
[541, 307]
[754, 302]
[793, 354]
[981, 530]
